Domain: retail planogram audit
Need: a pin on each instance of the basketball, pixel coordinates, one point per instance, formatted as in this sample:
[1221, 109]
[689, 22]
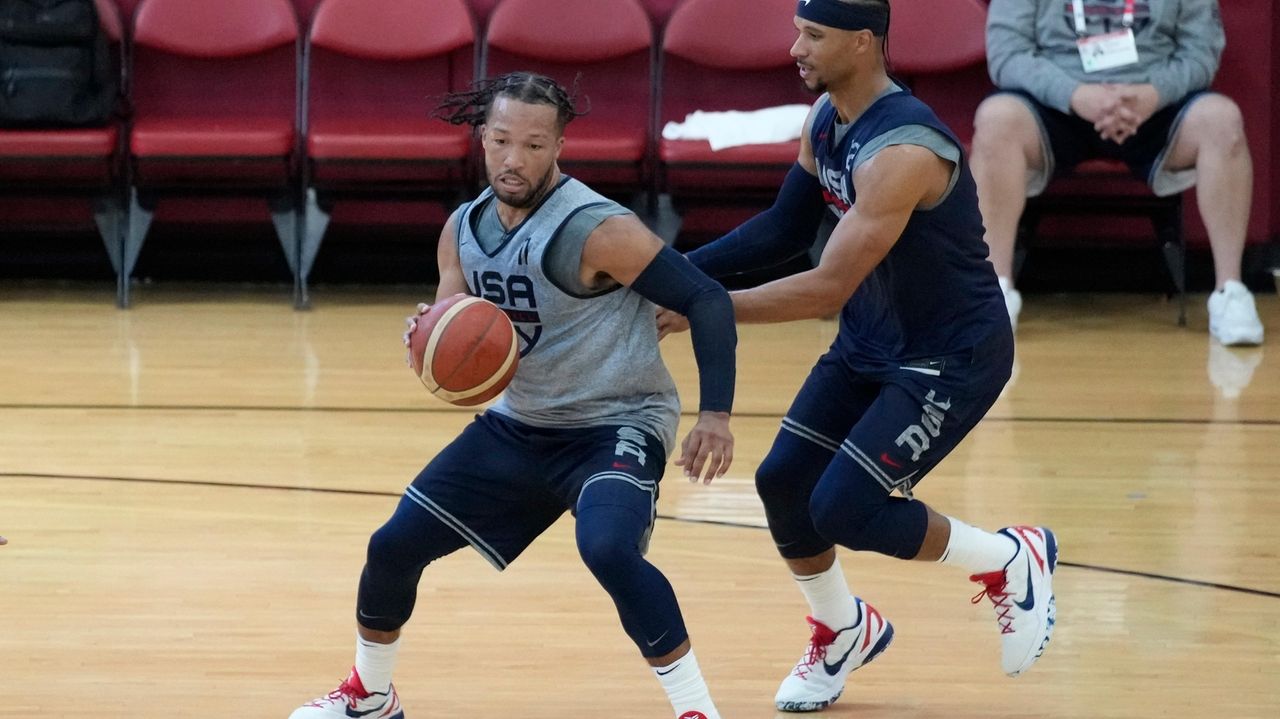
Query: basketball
[464, 350]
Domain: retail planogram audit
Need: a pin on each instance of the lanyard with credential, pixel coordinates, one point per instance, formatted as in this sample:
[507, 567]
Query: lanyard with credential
[1077, 7]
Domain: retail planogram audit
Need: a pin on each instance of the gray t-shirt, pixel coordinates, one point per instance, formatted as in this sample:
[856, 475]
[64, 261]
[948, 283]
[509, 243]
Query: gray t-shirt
[588, 356]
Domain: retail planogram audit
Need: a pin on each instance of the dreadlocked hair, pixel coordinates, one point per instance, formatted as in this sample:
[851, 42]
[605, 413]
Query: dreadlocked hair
[471, 107]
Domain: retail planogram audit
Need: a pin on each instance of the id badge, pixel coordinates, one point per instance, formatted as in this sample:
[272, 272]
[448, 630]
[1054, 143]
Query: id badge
[1103, 52]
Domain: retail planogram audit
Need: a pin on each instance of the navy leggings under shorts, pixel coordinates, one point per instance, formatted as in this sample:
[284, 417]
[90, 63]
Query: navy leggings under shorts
[853, 436]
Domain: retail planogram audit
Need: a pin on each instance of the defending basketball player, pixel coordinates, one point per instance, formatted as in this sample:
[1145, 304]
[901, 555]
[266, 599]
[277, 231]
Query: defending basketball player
[923, 350]
[589, 416]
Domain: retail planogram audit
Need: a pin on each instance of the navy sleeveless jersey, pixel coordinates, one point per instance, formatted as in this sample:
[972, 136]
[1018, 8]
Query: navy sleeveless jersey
[935, 293]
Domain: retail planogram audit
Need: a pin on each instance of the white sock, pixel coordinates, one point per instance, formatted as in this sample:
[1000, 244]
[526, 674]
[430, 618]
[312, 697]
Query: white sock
[977, 550]
[374, 663]
[685, 687]
[829, 599]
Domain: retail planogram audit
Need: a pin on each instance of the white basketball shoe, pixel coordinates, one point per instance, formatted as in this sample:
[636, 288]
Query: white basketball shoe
[818, 678]
[1233, 316]
[1022, 594]
[351, 701]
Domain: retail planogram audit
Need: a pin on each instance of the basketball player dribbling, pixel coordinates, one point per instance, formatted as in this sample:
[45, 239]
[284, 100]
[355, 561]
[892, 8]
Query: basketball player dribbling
[923, 350]
[585, 424]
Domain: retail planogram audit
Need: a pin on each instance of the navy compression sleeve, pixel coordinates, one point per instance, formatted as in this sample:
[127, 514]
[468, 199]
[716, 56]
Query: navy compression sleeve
[783, 232]
[672, 282]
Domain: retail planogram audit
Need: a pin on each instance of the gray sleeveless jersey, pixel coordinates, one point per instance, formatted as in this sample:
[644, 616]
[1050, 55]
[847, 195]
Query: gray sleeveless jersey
[586, 359]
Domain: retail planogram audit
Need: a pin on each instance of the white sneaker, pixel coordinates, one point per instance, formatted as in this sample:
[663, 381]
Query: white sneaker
[1012, 301]
[350, 700]
[1023, 597]
[818, 678]
[1233, 317]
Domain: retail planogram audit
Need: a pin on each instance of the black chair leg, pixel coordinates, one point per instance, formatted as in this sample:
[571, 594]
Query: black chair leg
[1173, 243]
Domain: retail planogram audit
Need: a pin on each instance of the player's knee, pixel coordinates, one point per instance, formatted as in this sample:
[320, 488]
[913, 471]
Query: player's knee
[772, 482]
[408, 543]
[387, 546]
[843, 510]
[607, 555]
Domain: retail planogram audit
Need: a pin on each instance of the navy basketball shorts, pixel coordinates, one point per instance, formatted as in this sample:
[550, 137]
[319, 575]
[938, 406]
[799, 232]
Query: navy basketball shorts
[502, 483]
[883, 429]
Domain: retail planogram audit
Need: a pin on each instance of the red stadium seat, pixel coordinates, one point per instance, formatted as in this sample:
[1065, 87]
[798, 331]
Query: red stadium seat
[717, 57]
[609, 44]
[373, 67]
[69, 164]
[947, 70]
[214, 89]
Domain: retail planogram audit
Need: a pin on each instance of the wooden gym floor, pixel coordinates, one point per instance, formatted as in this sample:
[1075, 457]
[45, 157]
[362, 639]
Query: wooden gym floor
[188, 486]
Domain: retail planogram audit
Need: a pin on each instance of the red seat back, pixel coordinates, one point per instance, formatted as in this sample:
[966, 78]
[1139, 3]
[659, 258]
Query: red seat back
[947, 70]
[200, 59]
[609, 44]
[374, 68]
[717, 57]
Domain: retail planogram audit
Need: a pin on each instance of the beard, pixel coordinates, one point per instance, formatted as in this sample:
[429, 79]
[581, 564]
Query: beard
[533, 193]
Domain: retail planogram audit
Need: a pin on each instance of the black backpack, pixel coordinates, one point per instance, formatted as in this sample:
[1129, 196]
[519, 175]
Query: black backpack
[55, 66]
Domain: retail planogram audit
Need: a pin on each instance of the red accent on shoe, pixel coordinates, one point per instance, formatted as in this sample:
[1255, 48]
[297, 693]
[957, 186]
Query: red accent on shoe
[821, 638]
[692, 715]
[351, 690]
[996, 582]
[1023, 531]
[871, 614]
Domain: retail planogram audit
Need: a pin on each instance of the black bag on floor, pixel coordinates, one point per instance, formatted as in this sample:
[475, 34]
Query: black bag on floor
[55, 66]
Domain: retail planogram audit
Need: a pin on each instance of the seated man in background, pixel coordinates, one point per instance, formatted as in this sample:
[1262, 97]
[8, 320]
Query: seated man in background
[1117, 79]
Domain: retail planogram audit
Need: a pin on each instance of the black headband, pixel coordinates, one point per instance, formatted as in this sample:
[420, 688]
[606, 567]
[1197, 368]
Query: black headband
[843, 16]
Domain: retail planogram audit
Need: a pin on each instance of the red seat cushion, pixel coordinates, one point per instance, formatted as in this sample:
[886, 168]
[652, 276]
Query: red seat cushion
[88, 142]
[1101, 167]
[387, 138]
[700, 152]
[1099, 178]
[212, 137]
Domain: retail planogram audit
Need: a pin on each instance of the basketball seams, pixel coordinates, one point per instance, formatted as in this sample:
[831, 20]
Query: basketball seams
[464, 354]
[498, 321]
[498, 376]
[433, 341]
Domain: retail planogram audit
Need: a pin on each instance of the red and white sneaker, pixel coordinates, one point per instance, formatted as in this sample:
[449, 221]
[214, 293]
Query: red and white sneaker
[1022, 594]
[818, 678]
[351, 700]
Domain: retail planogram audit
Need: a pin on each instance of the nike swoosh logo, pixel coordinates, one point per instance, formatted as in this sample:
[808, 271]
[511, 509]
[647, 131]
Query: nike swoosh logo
[368, 616]
[834, 669]
[661, 673]
[660, 638]
[1026, 604]
[884, 457]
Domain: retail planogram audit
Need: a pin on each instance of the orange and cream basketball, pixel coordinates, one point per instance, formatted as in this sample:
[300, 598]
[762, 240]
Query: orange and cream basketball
[464, 350]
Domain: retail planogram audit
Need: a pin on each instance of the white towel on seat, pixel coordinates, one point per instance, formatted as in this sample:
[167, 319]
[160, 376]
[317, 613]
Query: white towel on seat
[735, 127]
